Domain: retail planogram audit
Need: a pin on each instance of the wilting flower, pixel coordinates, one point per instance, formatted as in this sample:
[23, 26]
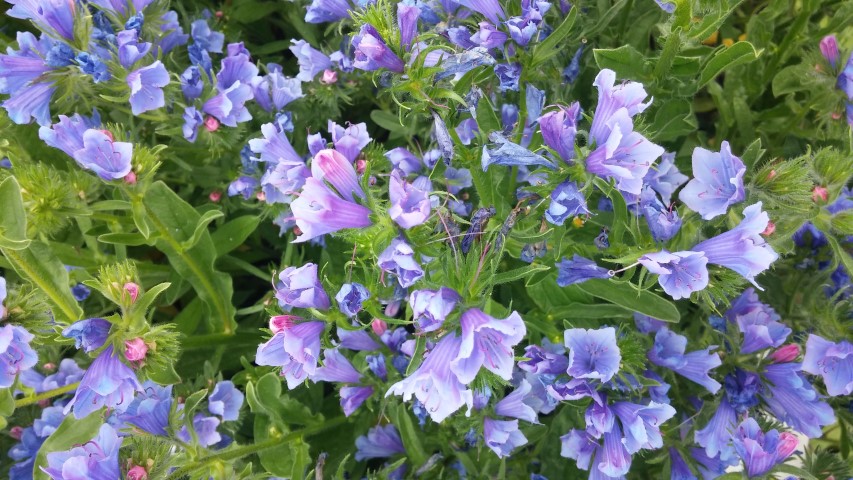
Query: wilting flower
[434, 384]
[559, 128]
[593, 353]
[107, 383]
[464, 62]
[762, 451]
[380, 442]
[205, 431]
[508, 76]
[301, 288]
[295, 350]
[431, 307]
[487, 342]
[89, 334]
[350, 298]
[318, 211]
[742, 248]
[372, 53]
[16, 355]
[502, 436]
[717, 182]
[679, 273]
[97, 458]
[111, 160]
[578, 270]
[398, 258]
[832, 361]
[668, 351]
[566, 201]
[225, 401]
[146, 87]
[792, 399]
[410, 203]
[511, 154]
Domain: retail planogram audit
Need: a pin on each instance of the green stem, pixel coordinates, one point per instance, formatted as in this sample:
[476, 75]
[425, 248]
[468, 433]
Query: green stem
[23, 402]
[71, 312]
[240, 452]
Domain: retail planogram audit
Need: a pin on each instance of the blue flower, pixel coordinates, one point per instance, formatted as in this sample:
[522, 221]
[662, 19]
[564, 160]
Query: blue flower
[376, 363]
[22, 77]
[191, 83]
[274, 146]
[663, 222]
[244, 185]
[679, 273]
[793, 400]
[578, 270]
[380, 442]
[566, 201]
[716, 436]
[573, 69]
[431, 307]
[742, 388]
[206, 38]
[275, 91]
[311, 61]
[502, 436]
[831, 360]
[16, 355]
[192, 121]
[146, 87]
[107, 383]
[665, 178]
[508, 75]
[89, 334]
[668, 351]
[641, 424]
[487, 342]
[130, 49]
[59, 55]
[97, 458]
[205, 431]
[717, 182]
[51, 16]
[295, 350]
[593, 354]
[398, 259]
[173, 34]
[559, 128]
[762, 451]
[301, 288]
[350, 298]
[91, 64]
[228, 106]
[150, 409]
[225, 401]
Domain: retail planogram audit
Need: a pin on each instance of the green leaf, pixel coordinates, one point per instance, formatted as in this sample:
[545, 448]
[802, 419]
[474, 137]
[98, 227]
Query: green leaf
[597, 310]
[132, 239]
[7, 402]
[486, 118]
[194, 401]
[552, 43]
[797, 471]
[201, 228]
[673, 119]
[518, 273]
[144, 302]
[417, 357]
[70, 432]
[13, 221]
[670, 50]
[620, 210]
[175, 221]
[410, 436]
[232, 234]
[625, 295]
[626, 61]
[840, 253]
[166, 376]
[725, 58]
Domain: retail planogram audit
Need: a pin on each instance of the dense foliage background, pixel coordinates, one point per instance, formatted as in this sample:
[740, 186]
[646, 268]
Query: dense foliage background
[137, 190]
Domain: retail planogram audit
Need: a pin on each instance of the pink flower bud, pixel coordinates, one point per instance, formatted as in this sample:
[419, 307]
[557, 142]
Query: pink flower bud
[109, 134]
[836, 115]
[788, 442]
[16, 432]
[211, 123]
[280, 323]
[829, 49]
[130, 178]
[49, 366]
[135, 350]
[820, 193]
[329, 77]
[215, 196]
[132, 289]
[378, 326]
[44, 403]
[360, 165]
[219, 14]
[771, 175]
[261, 196]
[137, 473]
[786, 353]
[771, 227]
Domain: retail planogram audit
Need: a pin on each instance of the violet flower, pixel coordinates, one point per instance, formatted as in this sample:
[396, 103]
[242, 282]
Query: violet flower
[150, 409]
[762, 451]
[206, 38]
[350, 298]
[665, 178]
[490, 9]
[717, 182]
[67, 134]
[349, 141]
[715, 438]
[593, 354]
[89, 334]
[431, 307]
[311, 61]
[322, 11]
[410, 203]
[107, 383]
[566, 201]
[109, 159]
[319, 211]
[275, 146]
[641, 424]
[372, 53]
[668, 351]
[295, 350]
[488, 37]
[407, 21]
[508, 76]
[380, 442]
[97, 458]
[502, 436]
[331, 166]
[398, 259]
[146, 87]
[663, 222]
[487, 342]
[831, 360]
[559, 128]
[53, 16]
[578, 270]
[829, 50]
[679, 273]
[16, 355]
[205, 431]
[793, 400]
[130, 49]
[225, 401]
[513, 404]
[22, 77]
[612, 99]
[283, 180]
[192, 121]
[301, 288]
[228, 106]
[274, 91]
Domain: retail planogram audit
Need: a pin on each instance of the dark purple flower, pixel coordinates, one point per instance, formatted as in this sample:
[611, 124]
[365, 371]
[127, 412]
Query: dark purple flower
[225, 401]
[205, 431]
[508, 76]
[431, 307]
[349, 141]
[300, 288]
[578, 270]
[311, 61]
[566, 201]
[16, 355]
[146, 87]
[372, 53]
[559, 128]
[502, 436]
[399, 259]
[679, 273]
[593, 354]
[380, 442]
[107, 383]
[295, 350]
[831, 360]
[96, 459]
[89, 334]
[742, 248]
[742, 388]
[762, 451]
[350, 298]
[487, 342]
[668, 351]
[717, 182]
[793, 400]
[410, 205]
[460, 36]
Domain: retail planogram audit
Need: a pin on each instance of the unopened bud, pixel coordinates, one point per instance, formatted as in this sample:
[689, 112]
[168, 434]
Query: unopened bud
[329, 77]
[360, 165]
[215, 196]
[786, 353]
[132, 290]
[135, 350]
[130, 178]
[109, 134]
[829, 49]
[771, 227]
[261, 196]
[378, 326]
[16, 432]
[836, 115]
[771, 175]
[49, 366]
[211, 123]
[137, 473]
[280, 323]
[820, 193]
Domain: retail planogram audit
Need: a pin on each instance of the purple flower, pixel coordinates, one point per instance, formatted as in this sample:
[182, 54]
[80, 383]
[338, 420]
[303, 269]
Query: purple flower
[717, 182]
[52, 16]
[760, 330]
[321, 11]
[275, 91]
[667, 6]
[410, 205]
[665, 178]
[467, 130]
[173, 33]
[668, 351]
[192, 121]
[236, 68]
[228, 106]
[376, 363]
[372, 53]
[566, 201]
[318, 211]
[434, 384]
[741, 388]
[762, 451]
[508, 75]
[205, 431]
[612, 458]
[559, 128]
[350, 140]
[283, 180]
[336, 368]
[146, 87]
[487, 342]
[647, 324]
[593, 353]
[300, 288]
[206, 38]
[120, 6]
[742, 249]
[130, 49]
[225, 401]
[578, 270]
[522, 30]
[150, 409]
[97, 458]
[641, 424]
[380, 442]
[679, 469]
[350, 298]
[22, 75]
[16, 355]
[334, 168]
[502, 436]
[275, 146]
[579, 446]
[626, 98]
[621, 153]
[311, 61]
[513, 404]
[100, 154]
[679, 273]
[490, 9]
[431, 307]
[295, 350]
[67, 134]
[403, 159]
[191, 83]
[832, 361]
[716, 436]
[663, 222]
[511, 154]
[107, 383]
[244, 185]
[829, 50]
[399, 259]
[547, 359]
[89, 334]
[357, 340]
[407, 21]
[488, 37]
[573, 69]
[792, 399]
[352, 397]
